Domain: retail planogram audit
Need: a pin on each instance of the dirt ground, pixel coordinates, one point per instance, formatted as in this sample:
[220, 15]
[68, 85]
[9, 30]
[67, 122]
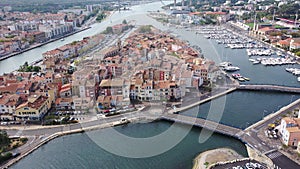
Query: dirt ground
[213, 156]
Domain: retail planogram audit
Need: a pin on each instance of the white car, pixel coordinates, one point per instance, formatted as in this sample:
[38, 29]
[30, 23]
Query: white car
[249, 166]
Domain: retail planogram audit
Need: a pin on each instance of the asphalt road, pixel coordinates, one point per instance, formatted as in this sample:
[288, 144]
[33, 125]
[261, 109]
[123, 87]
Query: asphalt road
[281, 161]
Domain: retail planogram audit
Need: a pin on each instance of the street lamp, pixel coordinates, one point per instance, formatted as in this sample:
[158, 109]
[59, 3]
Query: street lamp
[292, 98]
[265, 111]
[247, 123]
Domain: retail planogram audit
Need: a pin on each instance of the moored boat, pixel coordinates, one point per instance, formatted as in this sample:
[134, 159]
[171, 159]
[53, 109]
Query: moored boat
[231, 68]
[246, 78]
[241, 79]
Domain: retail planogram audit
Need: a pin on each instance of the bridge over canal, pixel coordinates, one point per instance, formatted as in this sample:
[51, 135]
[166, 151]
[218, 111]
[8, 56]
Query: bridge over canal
[240, 134]
[261, 87]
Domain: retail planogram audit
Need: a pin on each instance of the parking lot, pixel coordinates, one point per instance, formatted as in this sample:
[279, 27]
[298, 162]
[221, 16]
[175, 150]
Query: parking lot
[247, 164]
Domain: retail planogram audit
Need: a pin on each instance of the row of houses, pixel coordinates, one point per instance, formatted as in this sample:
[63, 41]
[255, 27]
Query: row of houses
[290, 131]
[20, 30]
[276, 37]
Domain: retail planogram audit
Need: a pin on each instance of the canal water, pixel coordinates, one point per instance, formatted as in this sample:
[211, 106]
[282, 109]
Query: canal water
[78, 151]
[241, 109]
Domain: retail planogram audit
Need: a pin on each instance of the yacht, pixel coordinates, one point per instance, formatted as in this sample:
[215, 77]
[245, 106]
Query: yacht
[255, 62]
[291, 70]
[236, 76]
[241, 79]
[246, 78]
[231, 68]
[225, 64]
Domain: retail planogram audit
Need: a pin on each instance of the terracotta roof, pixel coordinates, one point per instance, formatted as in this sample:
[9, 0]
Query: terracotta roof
[265, 29]
[289, 120]
[60, 100]
[293, 129]
[111, 83]
[3, 99]
[36, 104]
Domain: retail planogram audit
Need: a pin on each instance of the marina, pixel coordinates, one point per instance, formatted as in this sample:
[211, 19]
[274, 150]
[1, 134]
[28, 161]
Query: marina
[258, 53]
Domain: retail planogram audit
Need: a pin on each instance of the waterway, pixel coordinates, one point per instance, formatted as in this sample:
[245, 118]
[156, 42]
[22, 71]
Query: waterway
[78, 151]
[241, 109]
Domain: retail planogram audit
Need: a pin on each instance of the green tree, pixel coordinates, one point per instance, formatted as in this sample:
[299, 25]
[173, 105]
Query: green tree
[145, 29]
[109, 29]
[28, 69]
[36, 69]
[4, 139]
[124, 21]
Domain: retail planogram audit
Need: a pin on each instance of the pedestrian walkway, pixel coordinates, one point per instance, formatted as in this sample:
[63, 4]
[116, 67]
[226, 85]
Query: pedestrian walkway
[274, 155]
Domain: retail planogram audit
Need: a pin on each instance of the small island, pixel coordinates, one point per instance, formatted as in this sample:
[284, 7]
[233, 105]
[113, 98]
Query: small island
[207, 158]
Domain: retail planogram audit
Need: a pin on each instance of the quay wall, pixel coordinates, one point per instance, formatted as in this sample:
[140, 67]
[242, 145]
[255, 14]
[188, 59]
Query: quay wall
[41, 44]
[283, 109]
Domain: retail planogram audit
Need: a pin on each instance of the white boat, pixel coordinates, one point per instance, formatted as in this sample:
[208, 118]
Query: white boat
[241, 79]
[291, 70]
[62, 39]
[231, 68]
[225, 64]
[255, 62]
[252, 60]
[298, 78]
[246, 78]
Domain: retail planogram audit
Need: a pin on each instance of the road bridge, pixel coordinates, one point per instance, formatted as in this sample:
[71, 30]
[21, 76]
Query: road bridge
[261, 87]
[240, 134]
[207, 124]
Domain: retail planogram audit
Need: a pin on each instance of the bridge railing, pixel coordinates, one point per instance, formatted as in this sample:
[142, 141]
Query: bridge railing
[275, 85]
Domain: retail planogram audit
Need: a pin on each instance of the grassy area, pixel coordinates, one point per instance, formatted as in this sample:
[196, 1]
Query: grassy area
[279, 27]
[251, 25]
[175, 55]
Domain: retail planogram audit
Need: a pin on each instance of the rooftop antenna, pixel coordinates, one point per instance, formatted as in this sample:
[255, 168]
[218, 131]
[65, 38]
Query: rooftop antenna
[274, 15]
[254, 25]
[296, 19]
